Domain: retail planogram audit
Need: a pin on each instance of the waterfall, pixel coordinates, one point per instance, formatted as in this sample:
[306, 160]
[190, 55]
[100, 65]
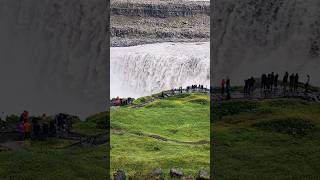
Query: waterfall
[150, 68]
[53, 56]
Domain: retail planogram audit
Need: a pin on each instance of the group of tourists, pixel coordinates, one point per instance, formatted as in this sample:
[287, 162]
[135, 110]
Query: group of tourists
[195, 87]
[225, 87]
[269, 82]
[293, 82]
[121, 101]
[40, 128]
[249, 86]
[289, 82]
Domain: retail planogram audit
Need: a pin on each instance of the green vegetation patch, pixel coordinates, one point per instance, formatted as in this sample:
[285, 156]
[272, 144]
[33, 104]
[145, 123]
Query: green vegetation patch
[142, 100]
[292, 126]
[151, 136]
[234, 107]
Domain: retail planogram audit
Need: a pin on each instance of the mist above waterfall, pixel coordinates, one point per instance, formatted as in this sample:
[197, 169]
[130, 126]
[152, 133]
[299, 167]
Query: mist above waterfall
[252, 37]
[53, 56]
[145, 69]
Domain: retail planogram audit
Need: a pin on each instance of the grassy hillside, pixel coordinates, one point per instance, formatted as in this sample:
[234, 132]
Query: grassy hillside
[52, 159]
[270, 139]
[167, 133]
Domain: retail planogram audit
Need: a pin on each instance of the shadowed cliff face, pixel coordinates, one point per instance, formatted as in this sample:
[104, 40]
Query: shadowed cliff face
[53, 56]
[256, 36]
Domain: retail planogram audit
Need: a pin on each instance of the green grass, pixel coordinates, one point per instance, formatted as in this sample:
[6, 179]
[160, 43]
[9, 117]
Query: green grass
[47, 161]
[181, 118]
[50, 160]
[270, 139]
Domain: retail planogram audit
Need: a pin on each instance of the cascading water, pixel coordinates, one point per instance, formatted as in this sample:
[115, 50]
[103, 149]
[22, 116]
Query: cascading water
[53, 56]
[145, 69]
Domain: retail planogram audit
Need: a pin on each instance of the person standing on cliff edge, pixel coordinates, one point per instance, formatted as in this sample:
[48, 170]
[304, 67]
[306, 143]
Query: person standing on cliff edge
[228, 88]
[306, 86]
[222, 87]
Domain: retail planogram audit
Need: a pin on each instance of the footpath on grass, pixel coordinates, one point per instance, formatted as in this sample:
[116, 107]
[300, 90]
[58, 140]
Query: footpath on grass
[160, 138]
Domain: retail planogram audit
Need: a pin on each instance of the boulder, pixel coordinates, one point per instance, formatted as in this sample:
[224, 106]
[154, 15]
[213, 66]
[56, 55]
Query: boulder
[203, 175]
[156, 174]
[119, 175]
[187, 178]
[176, 173]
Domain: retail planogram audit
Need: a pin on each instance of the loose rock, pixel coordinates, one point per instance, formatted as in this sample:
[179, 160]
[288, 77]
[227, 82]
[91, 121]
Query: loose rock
[203, 175]
[175, 173]
[119, 175]
[157, 174]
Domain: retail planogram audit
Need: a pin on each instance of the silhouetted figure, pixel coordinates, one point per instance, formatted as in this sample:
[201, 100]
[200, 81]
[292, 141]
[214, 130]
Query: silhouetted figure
[306, 86]
[222, 86]
[35, 128]
[268, 82]
[52, 128]
[285, 81]
[296, 82]
[263, 81]
[276, 77]
[246, 87]
[291, 81]
[45, 131]
[271, 81]
[251, 85]
[228, 88]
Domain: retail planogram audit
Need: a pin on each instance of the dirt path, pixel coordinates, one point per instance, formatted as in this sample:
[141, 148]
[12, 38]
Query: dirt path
[168, 94]
[16, 146]
[143, 104]
[160, 138]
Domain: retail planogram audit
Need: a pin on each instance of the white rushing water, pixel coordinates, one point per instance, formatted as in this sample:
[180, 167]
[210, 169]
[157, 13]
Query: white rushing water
[145, 69]
[53, 56]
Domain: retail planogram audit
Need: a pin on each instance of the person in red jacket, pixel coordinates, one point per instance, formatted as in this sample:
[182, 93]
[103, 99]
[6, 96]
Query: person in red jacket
[27, 130]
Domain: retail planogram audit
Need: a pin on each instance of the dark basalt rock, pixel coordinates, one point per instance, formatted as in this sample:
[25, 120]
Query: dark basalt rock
[119, 175]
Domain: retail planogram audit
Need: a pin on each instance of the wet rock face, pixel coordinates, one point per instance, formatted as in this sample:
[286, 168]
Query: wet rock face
[54, 51]
[255, 36]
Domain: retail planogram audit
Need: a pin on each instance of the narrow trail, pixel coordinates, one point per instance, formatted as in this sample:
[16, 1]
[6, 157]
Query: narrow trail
[260, 94]
[170, 93]
[16, 146]
[160, 138]
[95, 140]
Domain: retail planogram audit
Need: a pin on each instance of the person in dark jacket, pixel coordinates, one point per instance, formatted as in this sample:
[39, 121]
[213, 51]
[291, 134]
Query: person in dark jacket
[228, 88]
[285, 81]
[296, 82]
